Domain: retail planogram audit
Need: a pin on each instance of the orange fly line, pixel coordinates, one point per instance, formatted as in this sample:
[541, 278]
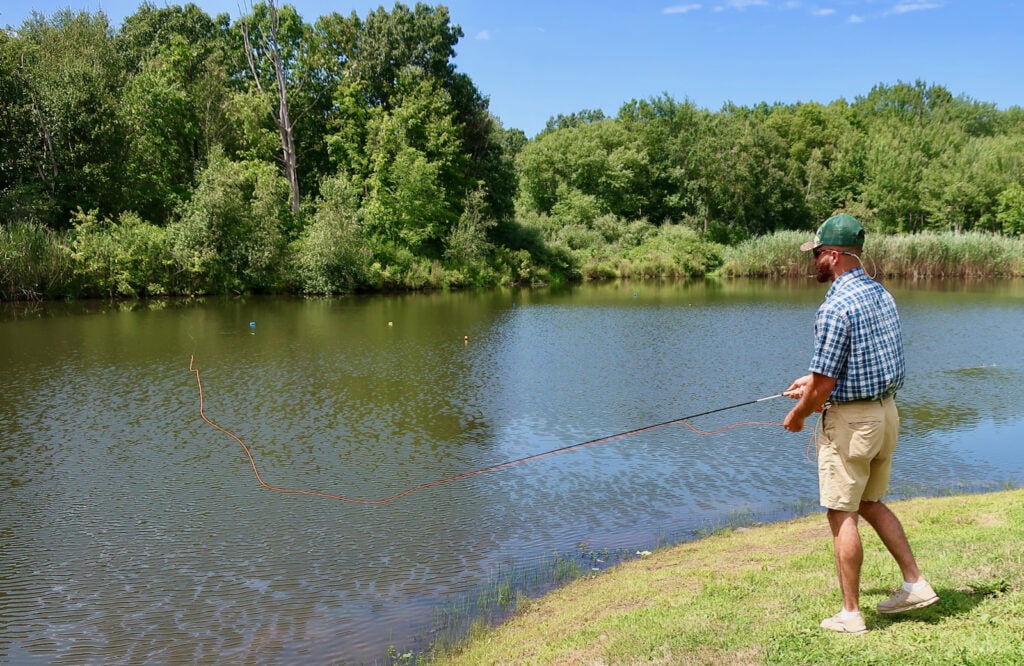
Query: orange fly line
[463, 475]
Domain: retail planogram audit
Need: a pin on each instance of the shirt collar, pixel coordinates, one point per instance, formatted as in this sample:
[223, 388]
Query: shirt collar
[852, 274]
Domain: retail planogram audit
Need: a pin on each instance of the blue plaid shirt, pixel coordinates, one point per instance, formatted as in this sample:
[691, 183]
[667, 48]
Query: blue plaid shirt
[858, 339]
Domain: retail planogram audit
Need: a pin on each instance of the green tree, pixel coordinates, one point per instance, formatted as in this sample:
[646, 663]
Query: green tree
[673, 135]
[23, 189]
[754, 192]
[174, 104]
[231, 234]
[406, 200]
[577, 119]
[896, 157]
[414, 133]
[185, 32]
[584, 171]
[467, 245]
[1011, 210]
[389, 43]
[816, 139]
[162, 134]
[70, 77]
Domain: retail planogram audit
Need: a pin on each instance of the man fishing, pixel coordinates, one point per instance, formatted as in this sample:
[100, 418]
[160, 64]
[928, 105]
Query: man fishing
[855, 372]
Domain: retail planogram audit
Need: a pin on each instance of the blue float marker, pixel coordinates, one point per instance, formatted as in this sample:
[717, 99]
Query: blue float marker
[252, 324]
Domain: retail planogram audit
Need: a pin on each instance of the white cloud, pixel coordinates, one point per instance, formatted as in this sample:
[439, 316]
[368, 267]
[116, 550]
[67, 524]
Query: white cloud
[823, 12]
[743, 4]
[906, 7]
[680, 9]
[855, 19]
[483, 35]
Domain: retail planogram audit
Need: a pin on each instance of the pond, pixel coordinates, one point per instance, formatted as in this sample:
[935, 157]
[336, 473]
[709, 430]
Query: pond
[134, 531]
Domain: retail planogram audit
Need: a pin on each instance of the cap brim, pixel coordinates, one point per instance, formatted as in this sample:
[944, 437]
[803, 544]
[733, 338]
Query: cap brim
[809, 245]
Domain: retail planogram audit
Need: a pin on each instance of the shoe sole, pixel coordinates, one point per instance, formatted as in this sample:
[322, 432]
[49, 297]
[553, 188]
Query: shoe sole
[841, 628]
[918, 605]
[846, 632]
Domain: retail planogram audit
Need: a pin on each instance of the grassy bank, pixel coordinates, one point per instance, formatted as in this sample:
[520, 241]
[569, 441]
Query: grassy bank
[755, 596]
[924, 255]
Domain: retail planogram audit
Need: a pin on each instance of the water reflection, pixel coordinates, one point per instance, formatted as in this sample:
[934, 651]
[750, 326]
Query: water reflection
[134, 532]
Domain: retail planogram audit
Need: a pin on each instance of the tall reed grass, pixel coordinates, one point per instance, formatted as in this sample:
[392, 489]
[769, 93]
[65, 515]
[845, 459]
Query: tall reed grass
[922, 255]
[34, 262]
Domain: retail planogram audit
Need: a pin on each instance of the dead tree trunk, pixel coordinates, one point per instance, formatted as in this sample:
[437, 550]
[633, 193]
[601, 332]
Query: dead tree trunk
[282, 119]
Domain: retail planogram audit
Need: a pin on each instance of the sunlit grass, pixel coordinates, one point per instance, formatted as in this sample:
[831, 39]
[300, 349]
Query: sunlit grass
[755, 596]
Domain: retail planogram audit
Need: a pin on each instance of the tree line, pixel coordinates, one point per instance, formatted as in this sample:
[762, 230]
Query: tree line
[182, 153]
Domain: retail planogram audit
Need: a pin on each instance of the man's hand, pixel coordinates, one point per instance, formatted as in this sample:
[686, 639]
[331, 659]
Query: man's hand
[812, 390]
[793, 423]
[796, 389]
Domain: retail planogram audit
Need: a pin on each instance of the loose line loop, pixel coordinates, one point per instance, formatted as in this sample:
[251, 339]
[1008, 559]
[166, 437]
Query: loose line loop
[484, 470]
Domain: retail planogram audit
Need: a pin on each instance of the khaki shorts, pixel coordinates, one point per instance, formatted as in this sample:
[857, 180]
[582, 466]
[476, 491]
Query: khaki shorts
[855, 452]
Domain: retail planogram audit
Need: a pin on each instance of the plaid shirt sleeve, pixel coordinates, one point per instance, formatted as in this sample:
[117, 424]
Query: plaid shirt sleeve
[831, 342]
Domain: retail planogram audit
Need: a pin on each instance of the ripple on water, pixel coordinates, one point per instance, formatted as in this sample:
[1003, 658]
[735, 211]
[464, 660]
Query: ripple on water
[135, 533]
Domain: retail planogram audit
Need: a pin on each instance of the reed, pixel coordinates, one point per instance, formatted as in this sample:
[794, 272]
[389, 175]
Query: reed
[34, 262]
[776, 255]
[948, 255]
[913, 256]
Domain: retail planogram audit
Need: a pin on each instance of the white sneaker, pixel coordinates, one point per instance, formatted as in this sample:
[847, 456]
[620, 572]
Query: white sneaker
[850, 625]
[907, 601]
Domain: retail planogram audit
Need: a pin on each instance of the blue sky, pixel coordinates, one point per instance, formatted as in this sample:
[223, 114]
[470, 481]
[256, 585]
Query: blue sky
[535, 59]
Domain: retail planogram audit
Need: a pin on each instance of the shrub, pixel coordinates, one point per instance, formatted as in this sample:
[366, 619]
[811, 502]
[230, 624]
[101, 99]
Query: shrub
[232, 233]
[674, 250]
[126, 257]
[467, 244]
[330, 256]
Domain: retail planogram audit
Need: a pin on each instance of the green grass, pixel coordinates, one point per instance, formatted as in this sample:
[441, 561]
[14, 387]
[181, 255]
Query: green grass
[756, 596]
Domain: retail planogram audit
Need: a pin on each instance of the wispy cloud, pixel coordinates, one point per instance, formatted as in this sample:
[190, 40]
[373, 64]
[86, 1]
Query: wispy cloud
[743, 4]
[680, 9]
[483, 36]
[822, 12]
[854, 18]
[907, 7]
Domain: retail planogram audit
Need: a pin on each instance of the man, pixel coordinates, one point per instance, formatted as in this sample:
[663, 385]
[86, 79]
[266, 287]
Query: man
[855, 371]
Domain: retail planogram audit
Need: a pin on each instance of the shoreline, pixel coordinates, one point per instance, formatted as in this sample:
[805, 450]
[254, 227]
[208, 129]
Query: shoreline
[754, 594]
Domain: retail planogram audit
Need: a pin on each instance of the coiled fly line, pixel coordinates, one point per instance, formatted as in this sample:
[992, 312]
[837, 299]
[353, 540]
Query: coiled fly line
[685, 420]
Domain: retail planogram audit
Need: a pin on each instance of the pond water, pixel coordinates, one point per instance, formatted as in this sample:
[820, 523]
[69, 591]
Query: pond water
[132, 531]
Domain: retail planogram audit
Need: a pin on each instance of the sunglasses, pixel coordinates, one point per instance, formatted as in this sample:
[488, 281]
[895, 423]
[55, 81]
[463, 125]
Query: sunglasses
[818, 251]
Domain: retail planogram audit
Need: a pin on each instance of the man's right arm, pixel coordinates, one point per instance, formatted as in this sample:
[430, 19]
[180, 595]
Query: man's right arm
[812, 391]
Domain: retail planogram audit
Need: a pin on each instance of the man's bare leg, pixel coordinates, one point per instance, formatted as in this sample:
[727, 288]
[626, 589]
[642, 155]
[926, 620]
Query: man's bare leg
[849, 555]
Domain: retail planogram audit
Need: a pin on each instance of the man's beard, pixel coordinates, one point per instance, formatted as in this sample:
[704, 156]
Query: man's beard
[824, 273]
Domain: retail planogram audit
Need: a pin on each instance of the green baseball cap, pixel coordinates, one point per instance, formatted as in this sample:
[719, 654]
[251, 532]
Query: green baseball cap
[842, 230]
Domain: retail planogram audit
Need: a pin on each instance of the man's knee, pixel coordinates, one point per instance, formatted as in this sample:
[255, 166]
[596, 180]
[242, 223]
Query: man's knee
[870, 507]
